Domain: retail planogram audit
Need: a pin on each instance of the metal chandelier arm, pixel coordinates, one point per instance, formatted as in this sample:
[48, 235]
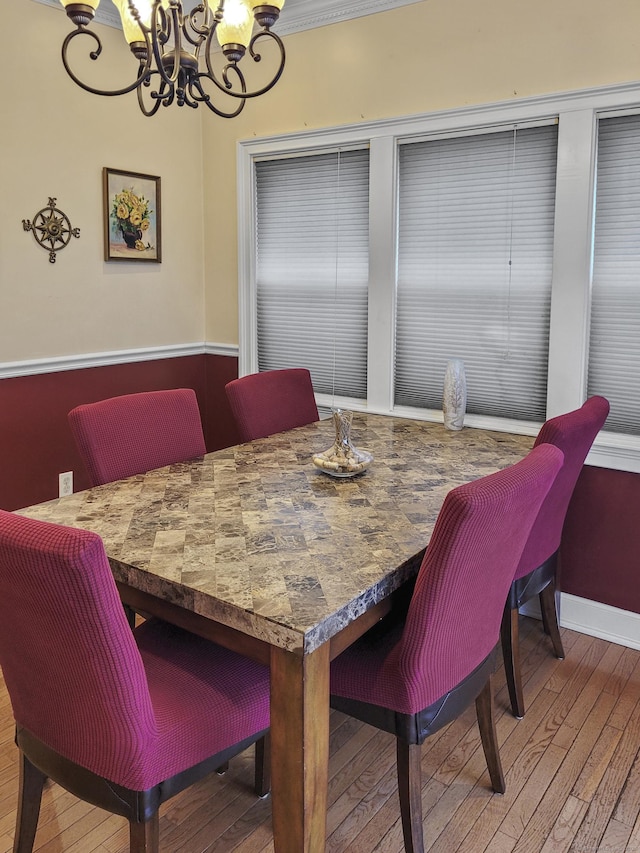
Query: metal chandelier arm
[94, 54]
[160, 36]
[205, 98]
[159, 98]
[226, 84]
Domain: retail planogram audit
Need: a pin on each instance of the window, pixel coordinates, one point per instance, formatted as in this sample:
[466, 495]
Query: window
[614, 350]
[312, 229]
[475, 249]
[507, 235]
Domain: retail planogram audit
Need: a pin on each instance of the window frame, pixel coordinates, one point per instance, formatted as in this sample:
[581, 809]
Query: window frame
[577, 114]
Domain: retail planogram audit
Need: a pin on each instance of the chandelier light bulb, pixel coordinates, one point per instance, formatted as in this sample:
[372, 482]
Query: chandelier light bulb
[130, 27]
[235, 29]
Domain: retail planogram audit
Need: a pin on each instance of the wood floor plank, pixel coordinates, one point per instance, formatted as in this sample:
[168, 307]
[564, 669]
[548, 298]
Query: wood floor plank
[500, 843]
[628, 806]
[633, 845]
[628, 699]
[605, 797]
[614, 839]
[597, 763]
[564, 829]
[529, 797]
[557, 792]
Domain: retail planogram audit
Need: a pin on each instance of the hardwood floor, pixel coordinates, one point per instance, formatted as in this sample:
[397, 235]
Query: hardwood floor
[572, 768]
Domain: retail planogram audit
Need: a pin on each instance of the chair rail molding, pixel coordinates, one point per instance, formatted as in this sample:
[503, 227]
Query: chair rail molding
[32, 367]
[299, 14]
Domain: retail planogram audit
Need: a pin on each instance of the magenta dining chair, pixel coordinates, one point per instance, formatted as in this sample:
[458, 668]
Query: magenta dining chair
[134, 433]
[121, 719]
[536, 574]
[414, 673]
[273, 401]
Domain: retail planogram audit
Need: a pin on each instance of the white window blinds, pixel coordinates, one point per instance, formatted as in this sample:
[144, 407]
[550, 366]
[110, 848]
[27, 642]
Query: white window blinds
[312, 235]
[614, 355]
[475, 244]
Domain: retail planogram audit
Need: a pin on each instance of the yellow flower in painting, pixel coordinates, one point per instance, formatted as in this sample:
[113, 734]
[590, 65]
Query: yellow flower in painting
[132, 215]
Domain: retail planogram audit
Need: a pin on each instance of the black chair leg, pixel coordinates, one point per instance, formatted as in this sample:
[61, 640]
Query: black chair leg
[263, 766]
[487, 724]
[145, 837]
[550, 618]
[509, 636]
[30, 796]
[410, 791]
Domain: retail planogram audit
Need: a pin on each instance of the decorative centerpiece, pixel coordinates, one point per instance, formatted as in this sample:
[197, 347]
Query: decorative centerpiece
[454, 397]
[342, 459]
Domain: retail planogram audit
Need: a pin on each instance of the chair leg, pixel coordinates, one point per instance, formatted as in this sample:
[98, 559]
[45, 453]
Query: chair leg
[222, 769]
[509, 636]
[550, 618]
[144, 837]
[30, 796]
[487, 725]
[263, 766]
[410, 791]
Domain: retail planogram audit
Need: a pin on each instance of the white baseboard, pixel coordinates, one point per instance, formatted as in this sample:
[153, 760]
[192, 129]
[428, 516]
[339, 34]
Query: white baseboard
[593, 618]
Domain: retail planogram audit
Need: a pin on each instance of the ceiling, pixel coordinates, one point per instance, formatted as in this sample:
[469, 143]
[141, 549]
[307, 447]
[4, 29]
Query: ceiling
[296, 15]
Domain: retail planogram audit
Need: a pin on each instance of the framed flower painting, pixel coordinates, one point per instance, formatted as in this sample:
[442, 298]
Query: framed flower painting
[131, 216]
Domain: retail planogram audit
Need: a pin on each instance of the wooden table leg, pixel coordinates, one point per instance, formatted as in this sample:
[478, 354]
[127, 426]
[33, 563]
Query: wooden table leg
[300, 749]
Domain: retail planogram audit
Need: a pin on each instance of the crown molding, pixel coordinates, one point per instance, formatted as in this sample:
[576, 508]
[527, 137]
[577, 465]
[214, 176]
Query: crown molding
[299, 14]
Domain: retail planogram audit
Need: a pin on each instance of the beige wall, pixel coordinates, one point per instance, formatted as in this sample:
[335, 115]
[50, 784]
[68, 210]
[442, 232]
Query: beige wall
[54, 139]
[431, 55]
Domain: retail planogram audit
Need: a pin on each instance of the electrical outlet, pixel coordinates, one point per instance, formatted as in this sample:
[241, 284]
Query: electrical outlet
[65, 484]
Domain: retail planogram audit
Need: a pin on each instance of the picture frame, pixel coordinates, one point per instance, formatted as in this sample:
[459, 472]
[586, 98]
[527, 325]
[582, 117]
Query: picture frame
[132, 223]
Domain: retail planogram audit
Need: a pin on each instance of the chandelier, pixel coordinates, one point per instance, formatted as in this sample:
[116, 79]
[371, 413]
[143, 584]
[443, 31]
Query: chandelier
[176, 52]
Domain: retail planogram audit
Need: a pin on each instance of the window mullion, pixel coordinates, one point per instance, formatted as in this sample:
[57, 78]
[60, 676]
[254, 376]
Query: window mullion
[570, 291]
[382, 273]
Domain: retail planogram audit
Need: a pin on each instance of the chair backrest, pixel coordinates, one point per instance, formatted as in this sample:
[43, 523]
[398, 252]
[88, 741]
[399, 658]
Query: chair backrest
[453, 620]
[71, 665]
[574, 434]
[134, 433]
[273, 401]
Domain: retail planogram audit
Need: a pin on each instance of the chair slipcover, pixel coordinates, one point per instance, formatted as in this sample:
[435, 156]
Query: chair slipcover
[574, 433]
[453, 619]
[133, 708]
[134, 433]
[273, 401]
[536, 574]
[410, 676]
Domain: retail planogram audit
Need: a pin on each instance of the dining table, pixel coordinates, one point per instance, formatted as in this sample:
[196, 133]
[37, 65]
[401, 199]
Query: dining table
[257, 549]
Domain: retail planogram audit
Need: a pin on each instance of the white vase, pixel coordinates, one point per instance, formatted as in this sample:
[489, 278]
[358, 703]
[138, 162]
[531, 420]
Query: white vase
[454, 397]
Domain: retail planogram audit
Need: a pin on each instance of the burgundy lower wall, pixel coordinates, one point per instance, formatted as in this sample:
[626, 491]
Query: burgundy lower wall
[599, 553]
[219, 426]
[35, 441]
